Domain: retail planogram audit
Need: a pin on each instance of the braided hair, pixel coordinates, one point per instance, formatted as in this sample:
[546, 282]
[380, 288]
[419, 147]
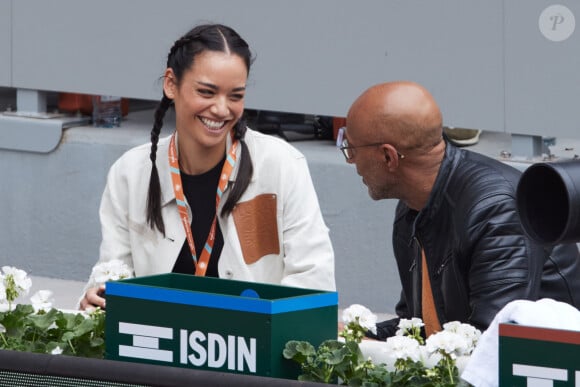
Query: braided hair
[212, 37]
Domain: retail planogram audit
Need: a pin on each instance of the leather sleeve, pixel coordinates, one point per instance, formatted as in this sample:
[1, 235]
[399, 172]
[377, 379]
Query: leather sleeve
[561, 277]
[505, 265]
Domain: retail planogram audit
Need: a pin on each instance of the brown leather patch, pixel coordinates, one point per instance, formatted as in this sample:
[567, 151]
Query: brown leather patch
[257, 227]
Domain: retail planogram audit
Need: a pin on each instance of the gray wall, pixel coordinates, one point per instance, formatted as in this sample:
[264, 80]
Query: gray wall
[487, 62]
[5, 42]
[49, 204]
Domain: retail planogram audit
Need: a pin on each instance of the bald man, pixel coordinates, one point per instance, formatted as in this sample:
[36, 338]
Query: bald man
[460, 249]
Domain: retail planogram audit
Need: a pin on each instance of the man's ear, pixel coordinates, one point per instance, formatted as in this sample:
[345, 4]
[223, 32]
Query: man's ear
[391, 156]
[169, 84]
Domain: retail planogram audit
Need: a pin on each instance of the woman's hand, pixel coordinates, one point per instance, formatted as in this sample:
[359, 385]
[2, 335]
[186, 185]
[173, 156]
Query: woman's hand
[94, 297]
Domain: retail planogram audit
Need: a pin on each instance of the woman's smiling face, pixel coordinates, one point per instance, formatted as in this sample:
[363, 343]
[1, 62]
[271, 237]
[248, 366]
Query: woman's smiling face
[209, 100]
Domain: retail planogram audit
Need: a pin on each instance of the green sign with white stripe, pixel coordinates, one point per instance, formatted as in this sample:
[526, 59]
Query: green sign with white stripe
[530, 356]
[214, 324]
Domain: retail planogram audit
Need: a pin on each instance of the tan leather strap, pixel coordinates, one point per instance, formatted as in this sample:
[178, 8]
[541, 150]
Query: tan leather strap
[430, 318]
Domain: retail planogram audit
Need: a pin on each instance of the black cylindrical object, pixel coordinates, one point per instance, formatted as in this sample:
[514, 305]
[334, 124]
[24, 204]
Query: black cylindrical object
[548, 201]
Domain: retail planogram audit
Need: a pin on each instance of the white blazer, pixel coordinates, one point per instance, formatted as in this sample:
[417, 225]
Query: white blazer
[276, 233]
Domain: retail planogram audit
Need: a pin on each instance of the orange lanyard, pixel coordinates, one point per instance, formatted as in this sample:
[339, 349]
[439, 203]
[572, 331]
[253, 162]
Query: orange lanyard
[201, 265]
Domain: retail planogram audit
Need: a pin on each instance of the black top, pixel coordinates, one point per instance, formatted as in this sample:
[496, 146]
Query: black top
[200, 192]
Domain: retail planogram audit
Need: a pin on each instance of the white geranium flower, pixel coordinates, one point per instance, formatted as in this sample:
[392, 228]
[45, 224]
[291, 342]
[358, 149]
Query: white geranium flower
[56, 351]
[403, 347]
[111, 271]
[449, 342]
[42, 300]
[469, 332]
[410, 324]
[409, 327]
[428, 358]
[4, 306]
[360, 315]
[22, 282]
[452, 326]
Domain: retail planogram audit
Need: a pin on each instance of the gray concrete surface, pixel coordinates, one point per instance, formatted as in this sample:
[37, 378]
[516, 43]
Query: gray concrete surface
[66, 293]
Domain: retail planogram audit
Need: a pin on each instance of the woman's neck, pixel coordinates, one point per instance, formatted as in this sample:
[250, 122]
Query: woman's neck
[198, 160]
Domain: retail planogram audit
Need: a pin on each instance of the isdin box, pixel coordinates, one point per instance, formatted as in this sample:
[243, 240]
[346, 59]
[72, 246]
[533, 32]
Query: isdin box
[531, 356]
[214, 324]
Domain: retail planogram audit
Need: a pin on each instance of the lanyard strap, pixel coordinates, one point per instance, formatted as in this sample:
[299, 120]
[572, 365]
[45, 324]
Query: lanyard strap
[201, 265]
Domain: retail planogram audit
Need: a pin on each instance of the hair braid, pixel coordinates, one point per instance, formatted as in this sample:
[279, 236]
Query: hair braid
[245, 170]
[154, 218]
[179, 43]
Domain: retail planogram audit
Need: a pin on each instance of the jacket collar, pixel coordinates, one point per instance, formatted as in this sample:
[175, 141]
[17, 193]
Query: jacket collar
[438, 193]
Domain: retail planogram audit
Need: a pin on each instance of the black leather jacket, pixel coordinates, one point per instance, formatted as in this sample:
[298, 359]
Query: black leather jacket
[478, 257]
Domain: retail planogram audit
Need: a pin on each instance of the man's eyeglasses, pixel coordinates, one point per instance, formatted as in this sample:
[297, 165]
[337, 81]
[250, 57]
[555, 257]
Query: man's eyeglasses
[348, 150]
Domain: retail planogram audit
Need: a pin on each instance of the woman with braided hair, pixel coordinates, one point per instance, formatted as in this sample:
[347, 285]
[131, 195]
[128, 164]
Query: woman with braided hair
[214, 198]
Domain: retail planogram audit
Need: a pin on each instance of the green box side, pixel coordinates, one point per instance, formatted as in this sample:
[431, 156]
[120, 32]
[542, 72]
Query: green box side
[536, 353]
[271, 331]
[312, 325]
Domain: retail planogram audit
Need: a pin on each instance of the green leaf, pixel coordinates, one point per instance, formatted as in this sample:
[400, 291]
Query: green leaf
[298, 350]
[43, 321]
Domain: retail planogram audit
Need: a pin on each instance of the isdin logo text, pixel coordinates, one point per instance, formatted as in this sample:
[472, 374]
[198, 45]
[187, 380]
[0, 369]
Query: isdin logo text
[197, 348]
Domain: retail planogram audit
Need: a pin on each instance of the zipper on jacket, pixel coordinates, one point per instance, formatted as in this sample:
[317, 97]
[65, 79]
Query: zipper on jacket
[442, 266]
[448, 259]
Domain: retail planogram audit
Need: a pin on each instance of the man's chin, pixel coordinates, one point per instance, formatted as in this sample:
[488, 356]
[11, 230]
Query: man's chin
[378, 195]
[373, 195]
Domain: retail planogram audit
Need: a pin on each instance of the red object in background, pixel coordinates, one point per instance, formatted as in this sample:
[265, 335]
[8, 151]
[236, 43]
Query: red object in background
[83, 103]
[337, 123]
